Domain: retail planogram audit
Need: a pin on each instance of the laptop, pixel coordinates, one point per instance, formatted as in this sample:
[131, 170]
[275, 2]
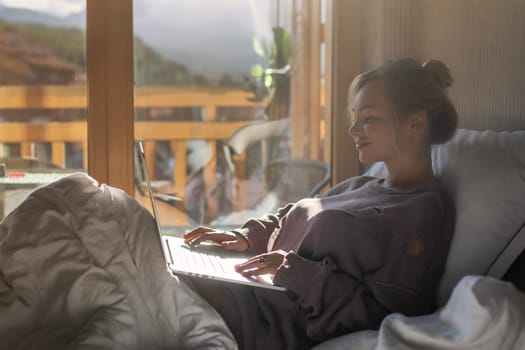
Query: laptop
[182, 259]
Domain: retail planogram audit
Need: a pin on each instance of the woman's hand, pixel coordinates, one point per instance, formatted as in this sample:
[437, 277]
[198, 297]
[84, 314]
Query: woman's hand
[262, 264]
[225, 239]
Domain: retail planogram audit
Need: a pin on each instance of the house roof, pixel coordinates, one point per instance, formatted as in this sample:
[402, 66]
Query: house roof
[22, 61]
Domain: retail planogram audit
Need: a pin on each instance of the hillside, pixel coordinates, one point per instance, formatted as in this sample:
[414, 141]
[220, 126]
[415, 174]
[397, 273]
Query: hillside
[69, 44]
[215, 44]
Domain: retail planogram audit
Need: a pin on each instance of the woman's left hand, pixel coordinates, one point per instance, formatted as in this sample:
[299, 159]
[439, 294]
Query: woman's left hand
[262, 264]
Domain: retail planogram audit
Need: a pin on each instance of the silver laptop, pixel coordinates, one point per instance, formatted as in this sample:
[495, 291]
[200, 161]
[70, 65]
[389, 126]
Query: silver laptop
[181, 259]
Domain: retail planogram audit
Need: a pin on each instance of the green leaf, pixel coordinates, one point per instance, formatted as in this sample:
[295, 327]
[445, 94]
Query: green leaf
[260, 46]
[257, 71]
[268, 81]
[282, 43]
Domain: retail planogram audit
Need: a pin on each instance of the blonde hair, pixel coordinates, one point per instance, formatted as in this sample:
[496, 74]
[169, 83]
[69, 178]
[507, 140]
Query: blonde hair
[412, 87]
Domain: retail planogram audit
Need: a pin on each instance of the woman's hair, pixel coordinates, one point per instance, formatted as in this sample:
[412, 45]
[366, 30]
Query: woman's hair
[412, 87]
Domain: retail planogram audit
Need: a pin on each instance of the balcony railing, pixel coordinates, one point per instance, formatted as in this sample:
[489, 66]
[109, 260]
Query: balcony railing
[176, 132]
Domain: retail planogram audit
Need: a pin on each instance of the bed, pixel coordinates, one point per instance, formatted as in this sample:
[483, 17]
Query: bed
[485, 173]
[73, 276]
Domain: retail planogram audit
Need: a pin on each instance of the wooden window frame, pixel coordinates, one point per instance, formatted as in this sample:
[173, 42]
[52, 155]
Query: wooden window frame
[111, 84]
[109, 43]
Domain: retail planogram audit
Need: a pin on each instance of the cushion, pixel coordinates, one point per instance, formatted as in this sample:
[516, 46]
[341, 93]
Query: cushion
[485, 174]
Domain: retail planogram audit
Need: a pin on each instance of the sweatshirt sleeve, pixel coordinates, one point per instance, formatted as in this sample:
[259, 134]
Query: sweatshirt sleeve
[258, 231]
[329, 284]
[332, 301]
[356, 270]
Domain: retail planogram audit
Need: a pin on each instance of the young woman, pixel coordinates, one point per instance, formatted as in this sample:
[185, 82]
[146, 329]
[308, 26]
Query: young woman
[370, 246]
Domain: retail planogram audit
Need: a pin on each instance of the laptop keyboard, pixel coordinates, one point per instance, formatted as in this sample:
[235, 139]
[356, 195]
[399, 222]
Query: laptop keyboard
[188, 261]
[196, 260]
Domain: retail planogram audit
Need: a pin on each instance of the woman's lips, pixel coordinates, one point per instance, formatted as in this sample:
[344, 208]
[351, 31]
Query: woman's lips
[360, 145]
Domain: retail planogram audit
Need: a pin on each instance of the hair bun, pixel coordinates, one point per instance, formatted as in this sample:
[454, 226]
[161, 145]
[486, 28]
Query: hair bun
[440, 72]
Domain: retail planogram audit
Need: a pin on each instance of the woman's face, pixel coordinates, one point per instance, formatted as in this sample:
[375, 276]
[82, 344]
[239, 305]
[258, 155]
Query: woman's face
[374, 124]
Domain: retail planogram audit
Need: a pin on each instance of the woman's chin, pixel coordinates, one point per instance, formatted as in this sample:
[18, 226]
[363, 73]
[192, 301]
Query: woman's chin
[365, 159]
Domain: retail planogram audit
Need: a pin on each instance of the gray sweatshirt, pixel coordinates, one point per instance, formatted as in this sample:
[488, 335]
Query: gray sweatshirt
[358, 253]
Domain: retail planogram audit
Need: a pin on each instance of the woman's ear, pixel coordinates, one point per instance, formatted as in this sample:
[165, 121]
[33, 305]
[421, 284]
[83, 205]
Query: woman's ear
[418, 121]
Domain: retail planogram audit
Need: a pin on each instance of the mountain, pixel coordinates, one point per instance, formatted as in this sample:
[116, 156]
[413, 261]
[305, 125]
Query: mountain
[17, 15]
[215, 44]
[76, 20]
[67, 45]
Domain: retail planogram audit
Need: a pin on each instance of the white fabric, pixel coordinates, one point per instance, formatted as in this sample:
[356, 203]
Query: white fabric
[485, 173]
[482, 314]
[81, 269]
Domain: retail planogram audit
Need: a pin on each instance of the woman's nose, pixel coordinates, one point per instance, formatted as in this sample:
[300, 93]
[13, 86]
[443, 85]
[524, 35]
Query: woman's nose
[354, 129]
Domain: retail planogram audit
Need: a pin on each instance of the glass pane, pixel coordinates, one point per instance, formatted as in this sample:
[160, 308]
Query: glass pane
[212, 105]
[42, 94]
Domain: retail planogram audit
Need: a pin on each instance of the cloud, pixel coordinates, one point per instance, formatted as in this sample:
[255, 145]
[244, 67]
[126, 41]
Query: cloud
[203, 34]
[54, 7]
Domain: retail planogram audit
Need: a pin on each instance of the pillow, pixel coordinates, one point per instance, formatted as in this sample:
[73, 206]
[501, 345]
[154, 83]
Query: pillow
[485, 174]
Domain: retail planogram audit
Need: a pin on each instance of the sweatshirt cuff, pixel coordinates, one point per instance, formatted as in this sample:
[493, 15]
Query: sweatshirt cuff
[257, 240]
[241, 232]
[297, 274]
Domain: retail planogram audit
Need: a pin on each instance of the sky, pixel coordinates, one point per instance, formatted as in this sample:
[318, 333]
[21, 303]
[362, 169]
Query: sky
[162, 10]
[220, 30]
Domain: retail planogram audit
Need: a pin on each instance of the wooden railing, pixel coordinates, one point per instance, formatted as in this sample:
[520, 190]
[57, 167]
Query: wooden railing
[177, 132]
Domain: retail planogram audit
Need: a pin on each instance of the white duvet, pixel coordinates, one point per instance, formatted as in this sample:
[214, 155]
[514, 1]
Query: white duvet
[483, 313]
[81, 269]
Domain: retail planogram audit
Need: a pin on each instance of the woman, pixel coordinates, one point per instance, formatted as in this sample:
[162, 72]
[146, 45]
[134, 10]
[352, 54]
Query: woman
[370, 246]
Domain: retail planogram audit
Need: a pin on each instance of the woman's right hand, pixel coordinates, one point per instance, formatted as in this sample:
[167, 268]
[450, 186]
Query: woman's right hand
[226, 239]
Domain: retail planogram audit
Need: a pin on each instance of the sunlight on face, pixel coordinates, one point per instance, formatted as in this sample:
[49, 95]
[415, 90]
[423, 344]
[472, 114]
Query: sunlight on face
[374, 124]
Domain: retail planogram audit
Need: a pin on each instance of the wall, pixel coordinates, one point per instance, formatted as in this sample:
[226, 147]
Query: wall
[483, 43]
[480, 40]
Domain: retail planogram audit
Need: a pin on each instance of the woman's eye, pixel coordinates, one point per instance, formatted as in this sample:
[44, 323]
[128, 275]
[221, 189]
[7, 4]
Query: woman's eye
[369, 119]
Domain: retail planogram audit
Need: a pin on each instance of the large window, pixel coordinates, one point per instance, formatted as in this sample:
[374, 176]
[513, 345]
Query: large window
[214, 105]
[42, 93]
[190, 79]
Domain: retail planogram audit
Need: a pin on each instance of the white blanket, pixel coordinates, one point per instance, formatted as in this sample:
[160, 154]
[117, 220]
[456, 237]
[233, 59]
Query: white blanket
[81, 269]
[482, 314]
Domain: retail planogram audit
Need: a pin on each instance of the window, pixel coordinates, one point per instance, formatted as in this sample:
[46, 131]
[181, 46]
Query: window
[185, 77]
[223, 120]
[42, 92]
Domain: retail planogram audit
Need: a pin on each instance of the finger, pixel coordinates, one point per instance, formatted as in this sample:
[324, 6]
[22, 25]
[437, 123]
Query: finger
[196, 232]
[254, 262]
[262, 271]
[190, 236]
[248, 264]
[197, 239]
[214, 236]
[236, 245]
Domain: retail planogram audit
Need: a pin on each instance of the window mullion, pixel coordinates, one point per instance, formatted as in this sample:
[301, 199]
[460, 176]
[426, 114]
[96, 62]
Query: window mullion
[110, 92]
